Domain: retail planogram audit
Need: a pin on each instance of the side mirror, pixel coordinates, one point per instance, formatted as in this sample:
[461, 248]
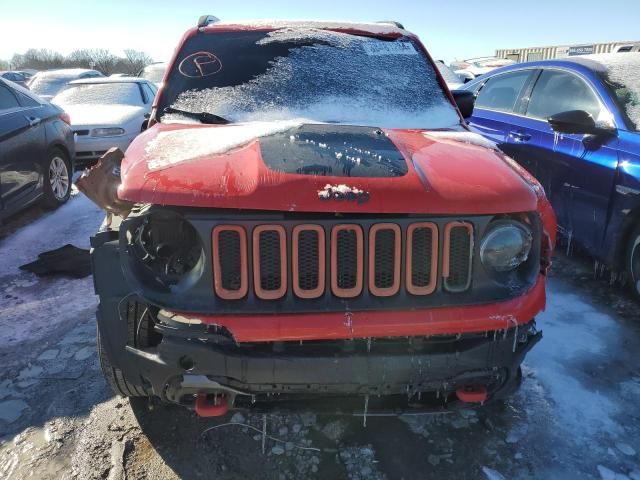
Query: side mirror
[577, 121]
[464, 100]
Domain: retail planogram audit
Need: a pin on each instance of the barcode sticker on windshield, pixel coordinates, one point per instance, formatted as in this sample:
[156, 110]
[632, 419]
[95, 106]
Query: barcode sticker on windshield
[389, 48]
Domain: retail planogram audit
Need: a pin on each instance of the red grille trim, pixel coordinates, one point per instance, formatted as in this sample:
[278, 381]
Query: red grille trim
[217, 267]
[357, 289]
[397, 260]
[430, 288]
[260, 292]
[316, 292]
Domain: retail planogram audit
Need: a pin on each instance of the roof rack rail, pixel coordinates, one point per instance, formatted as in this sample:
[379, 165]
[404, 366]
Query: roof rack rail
[205, 20]
[392, 22]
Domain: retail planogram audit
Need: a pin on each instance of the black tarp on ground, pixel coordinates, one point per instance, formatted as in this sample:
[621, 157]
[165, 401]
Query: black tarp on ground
[68, 261]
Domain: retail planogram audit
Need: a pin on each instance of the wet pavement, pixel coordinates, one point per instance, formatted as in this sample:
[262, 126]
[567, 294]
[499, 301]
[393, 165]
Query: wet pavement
[576, 416]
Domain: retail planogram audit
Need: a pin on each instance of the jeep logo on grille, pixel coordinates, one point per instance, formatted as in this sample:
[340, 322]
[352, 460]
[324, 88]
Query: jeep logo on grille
[343, 192]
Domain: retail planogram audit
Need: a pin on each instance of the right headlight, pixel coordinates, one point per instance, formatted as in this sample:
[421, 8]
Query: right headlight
[505, 246]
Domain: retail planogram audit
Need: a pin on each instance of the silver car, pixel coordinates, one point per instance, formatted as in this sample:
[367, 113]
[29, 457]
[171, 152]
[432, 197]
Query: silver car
[106, 112]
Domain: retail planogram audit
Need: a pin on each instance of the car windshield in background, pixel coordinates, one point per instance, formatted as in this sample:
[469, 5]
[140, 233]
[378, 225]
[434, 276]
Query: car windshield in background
[449, 75]
[100, 94]
[623, 76]
[308, 74]
[47, 85]
[154, 73]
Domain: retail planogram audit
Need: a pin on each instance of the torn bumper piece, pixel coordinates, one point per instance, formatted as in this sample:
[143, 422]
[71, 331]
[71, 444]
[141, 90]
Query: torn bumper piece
[400, 374]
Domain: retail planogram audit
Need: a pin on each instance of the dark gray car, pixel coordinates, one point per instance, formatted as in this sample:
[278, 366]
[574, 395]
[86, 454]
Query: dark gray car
[36, 151]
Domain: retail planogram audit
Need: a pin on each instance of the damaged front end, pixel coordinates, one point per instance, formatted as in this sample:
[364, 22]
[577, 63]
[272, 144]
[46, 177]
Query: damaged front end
[187, 312]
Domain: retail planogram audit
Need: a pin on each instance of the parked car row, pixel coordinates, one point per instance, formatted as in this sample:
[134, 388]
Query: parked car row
[42, 142]
[575, 125]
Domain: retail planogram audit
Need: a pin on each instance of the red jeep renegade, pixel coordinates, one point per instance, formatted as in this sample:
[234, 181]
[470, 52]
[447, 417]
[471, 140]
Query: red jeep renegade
[309, 222]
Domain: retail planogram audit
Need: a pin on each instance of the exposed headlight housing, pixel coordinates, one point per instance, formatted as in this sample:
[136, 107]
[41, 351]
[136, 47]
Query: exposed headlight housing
[165, 250]
[505, 246]
[107, 132]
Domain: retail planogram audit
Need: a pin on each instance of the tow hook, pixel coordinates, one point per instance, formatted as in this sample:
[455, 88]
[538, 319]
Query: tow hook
[472, 394]
[217, 408]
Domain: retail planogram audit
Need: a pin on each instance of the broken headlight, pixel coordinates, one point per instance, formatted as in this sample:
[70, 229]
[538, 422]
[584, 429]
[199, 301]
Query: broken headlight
[167, 249]
[506, 245]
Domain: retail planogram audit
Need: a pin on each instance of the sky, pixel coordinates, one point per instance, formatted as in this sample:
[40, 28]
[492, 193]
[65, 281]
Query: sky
[450, 30]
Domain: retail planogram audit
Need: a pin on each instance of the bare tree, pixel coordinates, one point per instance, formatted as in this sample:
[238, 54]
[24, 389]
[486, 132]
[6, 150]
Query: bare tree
[79, 59]
[102, 60]
[136, 60]
[39, 59]
[98, 58]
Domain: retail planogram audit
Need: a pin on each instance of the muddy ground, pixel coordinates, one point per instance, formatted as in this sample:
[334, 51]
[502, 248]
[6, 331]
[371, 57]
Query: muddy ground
[577, 415]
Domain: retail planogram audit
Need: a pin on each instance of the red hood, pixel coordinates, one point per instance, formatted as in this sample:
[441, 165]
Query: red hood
[443, 176]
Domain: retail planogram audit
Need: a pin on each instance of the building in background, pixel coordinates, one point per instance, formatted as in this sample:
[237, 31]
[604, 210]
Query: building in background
[559, 51]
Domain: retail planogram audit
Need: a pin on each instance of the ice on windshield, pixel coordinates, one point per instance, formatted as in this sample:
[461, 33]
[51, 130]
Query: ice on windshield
[623, 71]
[326, 76]
[100, 94]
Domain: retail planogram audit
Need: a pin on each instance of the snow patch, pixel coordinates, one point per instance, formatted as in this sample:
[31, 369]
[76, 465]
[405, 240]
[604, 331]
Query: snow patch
[623, 70]
[469, 138]
[170, 148]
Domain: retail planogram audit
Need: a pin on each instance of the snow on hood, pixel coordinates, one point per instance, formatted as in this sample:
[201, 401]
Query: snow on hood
[101, 114]
[469, 138]
[176, 146]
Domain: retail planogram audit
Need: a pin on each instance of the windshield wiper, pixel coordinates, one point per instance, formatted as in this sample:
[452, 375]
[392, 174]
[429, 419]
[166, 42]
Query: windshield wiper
[204, 117]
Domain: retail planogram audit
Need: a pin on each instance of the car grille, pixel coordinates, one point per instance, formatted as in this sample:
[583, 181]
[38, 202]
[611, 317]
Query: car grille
[344, 260]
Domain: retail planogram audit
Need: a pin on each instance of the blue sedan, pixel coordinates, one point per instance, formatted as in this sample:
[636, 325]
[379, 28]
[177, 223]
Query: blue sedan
[575, 125]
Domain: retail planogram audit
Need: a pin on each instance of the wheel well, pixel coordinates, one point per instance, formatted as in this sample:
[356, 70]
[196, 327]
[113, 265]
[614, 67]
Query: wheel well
[631, 222]
[65, 150]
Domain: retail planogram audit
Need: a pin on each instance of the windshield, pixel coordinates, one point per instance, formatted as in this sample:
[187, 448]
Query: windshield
[622, 74]
[154, 73]
[309, 75]
[100, 94]
[47, 85]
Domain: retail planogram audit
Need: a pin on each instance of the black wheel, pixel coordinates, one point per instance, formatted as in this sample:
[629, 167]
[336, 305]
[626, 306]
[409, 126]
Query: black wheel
[114, 377]
[57, 181]
[632, 262]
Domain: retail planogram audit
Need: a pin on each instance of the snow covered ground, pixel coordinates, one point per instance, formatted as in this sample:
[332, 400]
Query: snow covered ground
[575, 417]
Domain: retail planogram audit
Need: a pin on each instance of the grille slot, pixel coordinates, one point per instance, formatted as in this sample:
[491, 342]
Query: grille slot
[308, 261]
[269, 261]
[458, 251]
[230, 262]
[385, 255]
[346, 260]
[422, 258]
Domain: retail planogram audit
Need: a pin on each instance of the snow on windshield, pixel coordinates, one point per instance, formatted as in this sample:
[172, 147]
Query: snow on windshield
[327, 76]
[100, 94]
[623, 71]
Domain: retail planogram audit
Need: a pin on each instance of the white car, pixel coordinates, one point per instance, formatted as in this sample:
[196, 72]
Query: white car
[474, 67]
[106, 112]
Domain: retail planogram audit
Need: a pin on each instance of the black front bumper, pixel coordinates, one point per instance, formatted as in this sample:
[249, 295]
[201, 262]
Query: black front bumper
[413, 374]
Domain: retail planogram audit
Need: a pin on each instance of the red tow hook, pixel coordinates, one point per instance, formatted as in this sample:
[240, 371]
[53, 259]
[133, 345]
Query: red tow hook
[219, 407]
[472, 394]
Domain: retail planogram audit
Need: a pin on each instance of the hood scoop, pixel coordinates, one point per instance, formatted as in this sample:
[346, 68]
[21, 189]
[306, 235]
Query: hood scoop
[333, 150]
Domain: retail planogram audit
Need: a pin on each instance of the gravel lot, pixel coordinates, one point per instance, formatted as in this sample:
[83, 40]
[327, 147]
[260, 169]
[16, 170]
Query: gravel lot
[575, 417]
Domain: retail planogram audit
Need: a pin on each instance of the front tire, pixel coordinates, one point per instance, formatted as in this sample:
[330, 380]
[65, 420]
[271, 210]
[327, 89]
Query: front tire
[57, 181]
[632, 262]
[114, 377]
